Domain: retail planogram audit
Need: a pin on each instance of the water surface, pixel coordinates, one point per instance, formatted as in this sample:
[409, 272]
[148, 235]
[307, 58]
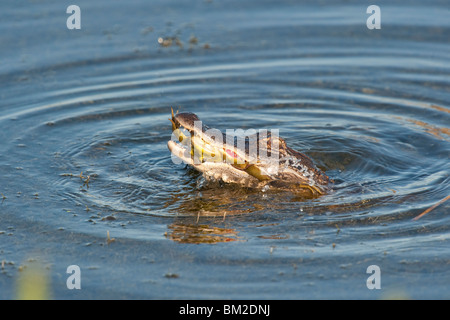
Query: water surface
[83, 151]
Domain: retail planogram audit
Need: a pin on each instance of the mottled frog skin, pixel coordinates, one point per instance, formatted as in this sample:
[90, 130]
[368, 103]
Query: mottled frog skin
[258, 160]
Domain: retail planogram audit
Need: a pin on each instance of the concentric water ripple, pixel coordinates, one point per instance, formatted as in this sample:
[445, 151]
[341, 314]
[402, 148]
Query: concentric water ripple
[84, 151]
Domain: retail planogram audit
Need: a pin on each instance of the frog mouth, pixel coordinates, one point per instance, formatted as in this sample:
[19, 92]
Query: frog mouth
[200, 146]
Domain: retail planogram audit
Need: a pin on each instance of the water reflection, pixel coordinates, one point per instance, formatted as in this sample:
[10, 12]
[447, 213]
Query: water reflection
[213, 198]
[84, 131]
[200, 233]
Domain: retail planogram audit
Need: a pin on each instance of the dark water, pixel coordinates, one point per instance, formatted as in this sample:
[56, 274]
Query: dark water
[83, 148]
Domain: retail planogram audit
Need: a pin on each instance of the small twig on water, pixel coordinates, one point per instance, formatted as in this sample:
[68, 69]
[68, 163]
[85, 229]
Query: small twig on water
[431, 208]
[85, 180]
[108, 238]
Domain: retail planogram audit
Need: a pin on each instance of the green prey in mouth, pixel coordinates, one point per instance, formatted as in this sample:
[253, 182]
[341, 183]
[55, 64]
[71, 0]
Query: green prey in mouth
[258, 160]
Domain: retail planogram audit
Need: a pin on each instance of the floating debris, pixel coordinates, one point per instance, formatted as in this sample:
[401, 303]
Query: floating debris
[431, 208]
[85, 180]
[67, 175]
[169, 41]
[108, 238]
[171, 275]
[193, 40]
[338, 229]
[175, 40]
[109, 218]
